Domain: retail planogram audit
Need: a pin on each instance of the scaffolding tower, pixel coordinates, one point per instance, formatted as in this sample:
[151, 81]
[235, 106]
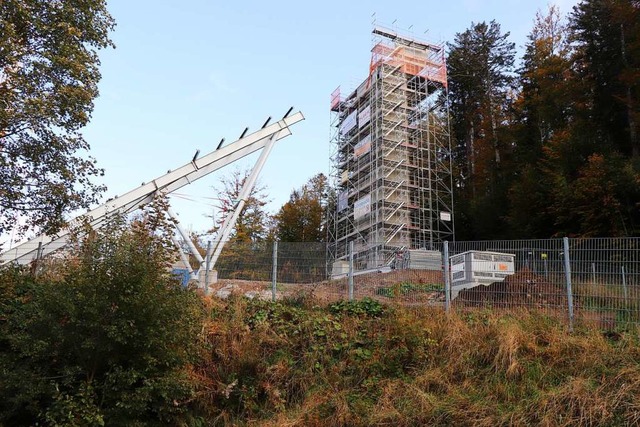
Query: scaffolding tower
[391, 155]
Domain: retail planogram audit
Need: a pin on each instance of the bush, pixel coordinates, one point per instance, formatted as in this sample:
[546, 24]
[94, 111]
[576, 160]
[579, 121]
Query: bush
[105, 340]
[366, 307]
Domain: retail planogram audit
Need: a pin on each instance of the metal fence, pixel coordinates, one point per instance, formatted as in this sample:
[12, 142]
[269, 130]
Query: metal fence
[580, 280]
[592, 280]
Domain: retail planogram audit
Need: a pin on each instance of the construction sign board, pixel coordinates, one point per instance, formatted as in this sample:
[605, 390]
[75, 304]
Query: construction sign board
[362, 207]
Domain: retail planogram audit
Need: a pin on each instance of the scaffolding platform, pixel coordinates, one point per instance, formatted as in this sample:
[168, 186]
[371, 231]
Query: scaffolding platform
[391, 154]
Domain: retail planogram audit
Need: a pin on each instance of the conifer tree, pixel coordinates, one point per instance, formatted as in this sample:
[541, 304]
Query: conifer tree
[480, 66]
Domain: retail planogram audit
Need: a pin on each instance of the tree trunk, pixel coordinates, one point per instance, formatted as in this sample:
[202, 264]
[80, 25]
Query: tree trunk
[471, 158]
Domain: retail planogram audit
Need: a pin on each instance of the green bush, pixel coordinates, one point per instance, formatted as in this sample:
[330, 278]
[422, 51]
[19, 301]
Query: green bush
[101, 337]
[365, 307]
[406, 288]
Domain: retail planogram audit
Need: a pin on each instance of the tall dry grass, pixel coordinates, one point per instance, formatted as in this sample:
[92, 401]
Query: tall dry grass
[294, 363]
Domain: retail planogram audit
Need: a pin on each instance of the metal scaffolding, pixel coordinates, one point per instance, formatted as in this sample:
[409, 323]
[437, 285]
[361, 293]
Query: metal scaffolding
[391, 162]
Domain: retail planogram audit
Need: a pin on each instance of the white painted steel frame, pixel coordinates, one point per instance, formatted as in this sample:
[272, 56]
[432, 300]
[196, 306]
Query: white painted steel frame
[166, 184]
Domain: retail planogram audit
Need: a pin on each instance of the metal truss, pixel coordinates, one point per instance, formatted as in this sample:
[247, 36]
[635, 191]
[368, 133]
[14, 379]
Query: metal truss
[173, 180]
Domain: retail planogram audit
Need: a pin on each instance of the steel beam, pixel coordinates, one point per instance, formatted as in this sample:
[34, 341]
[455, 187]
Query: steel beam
[164, 184]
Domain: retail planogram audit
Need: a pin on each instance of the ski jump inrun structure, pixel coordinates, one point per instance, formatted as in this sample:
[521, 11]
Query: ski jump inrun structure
[173, 180]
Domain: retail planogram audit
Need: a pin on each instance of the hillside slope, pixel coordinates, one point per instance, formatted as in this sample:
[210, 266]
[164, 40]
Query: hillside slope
[358, 364]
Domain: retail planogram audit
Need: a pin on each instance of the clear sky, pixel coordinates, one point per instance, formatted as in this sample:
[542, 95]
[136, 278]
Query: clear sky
[187, 73]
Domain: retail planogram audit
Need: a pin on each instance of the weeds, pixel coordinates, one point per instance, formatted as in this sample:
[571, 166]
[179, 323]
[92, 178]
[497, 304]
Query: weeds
[359, 363]
[406, 288]
[366, 307]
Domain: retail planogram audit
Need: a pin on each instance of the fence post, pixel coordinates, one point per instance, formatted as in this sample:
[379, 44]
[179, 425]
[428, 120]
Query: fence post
[274, 271]
[447, 282]
[206, 268]
[593, 272]
[567, 273]
[351, 270]
[624, 285]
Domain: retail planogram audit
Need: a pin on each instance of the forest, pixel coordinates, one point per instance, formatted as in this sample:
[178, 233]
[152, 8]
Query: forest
[548, 146]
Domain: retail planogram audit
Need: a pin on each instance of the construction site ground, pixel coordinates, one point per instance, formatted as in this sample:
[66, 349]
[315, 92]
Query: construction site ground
[405, 287]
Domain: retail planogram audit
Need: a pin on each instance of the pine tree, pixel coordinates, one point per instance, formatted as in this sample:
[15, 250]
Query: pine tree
[542, 116]
[606, 35]
[480, 68]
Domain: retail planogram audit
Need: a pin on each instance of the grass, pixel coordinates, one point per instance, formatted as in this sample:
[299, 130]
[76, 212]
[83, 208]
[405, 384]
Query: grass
[406, 288]
[362, 363]
[609, 303]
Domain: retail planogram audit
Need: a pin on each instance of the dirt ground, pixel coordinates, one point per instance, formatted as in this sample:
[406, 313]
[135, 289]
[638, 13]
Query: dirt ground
[397, 286]
[420, 288]
[524, 288]
[411, 287]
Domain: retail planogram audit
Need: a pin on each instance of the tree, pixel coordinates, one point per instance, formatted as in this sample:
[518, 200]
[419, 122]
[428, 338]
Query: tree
[576, 131]
[607, 38]
[596, 199]
[103, 336]
[599, 149]
[543, 113]
[48, 81]
[479, 68]
[301, 219]
[301, 231]
[543, 104]
[244, 255]
[252, 223]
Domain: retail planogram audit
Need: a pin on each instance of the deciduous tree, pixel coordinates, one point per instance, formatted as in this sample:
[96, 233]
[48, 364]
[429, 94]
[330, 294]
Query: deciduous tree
[302, 218]
[48, 81]
[244, 255]
[252, 223]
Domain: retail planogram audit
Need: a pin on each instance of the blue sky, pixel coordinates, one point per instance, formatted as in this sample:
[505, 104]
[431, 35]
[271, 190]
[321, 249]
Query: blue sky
[187, 73]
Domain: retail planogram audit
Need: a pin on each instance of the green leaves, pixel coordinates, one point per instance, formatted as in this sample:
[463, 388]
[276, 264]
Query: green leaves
[48, 81]
[301, 218]
[103, 337]
[365, 307]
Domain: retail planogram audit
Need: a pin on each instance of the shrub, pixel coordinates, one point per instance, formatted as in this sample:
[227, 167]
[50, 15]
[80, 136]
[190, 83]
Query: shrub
[103, 341]
[366, 307]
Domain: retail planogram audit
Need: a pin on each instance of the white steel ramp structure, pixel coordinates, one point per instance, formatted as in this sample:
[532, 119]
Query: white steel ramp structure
[173, 180]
